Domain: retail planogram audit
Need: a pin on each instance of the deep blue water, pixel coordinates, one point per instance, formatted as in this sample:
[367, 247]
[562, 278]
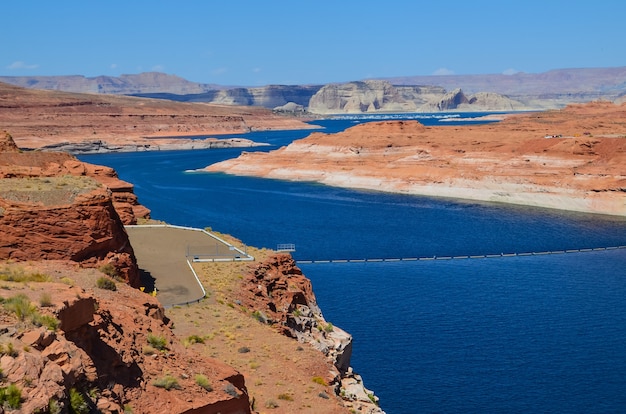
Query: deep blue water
[504, 335]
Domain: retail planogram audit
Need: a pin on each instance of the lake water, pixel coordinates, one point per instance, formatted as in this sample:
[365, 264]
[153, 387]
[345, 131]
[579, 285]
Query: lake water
[500, 335]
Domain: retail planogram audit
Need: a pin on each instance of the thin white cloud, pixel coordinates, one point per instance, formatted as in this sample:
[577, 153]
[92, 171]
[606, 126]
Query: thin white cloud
[256, 70]
[18, 65]
[443, 72]
[113, 66]
[510, 71]
[158, 68]
[219, 71]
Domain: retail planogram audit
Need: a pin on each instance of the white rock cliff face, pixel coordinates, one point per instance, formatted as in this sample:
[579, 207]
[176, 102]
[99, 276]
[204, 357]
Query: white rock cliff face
[381, 96]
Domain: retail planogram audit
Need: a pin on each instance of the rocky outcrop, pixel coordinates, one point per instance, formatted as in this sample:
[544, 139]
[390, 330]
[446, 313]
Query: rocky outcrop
[291, 108]
[359, 97]
[279, 294]
[112, 352]
[54, 207]
[6, 143]
[456, 100]
[381, 96]
[86, 229]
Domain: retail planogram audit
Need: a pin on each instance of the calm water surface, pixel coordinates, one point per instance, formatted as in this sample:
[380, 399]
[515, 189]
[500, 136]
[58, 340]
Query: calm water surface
[499, 335]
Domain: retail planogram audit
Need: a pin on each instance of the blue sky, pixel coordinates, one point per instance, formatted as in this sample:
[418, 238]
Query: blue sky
[251, 42]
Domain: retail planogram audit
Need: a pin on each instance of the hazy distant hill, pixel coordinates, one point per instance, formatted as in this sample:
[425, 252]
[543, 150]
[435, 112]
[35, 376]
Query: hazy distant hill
[147, 82]
[552, 89]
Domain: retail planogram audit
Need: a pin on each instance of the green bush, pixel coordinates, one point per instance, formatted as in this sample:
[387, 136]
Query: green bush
[106, 283]
[168, 382]
[11, 396]
[20, 305]
[48, 321]
[157, 342]
[203, 381]
[78, 405]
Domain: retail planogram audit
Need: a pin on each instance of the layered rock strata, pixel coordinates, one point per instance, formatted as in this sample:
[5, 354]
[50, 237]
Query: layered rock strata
[570, 159]
[54, 207]
[38, 118]
[280, 295]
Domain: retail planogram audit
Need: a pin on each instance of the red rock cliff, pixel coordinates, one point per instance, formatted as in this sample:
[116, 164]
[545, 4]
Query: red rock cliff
[54, 207]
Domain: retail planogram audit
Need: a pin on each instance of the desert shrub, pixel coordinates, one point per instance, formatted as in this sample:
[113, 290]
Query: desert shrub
[194, 339]
[11, 396]
[372, 398]
[285, 397]
[54, 407]
[243, 350]
[45, 300]
[78, 405]
[106, 283]
[109, 270]
[20, 305]
[157, 342]
[18, 275]
[168, 382]
[68, 281]
[48, 321]
[319, 380]
[203, 381]
[9, 349]
[259, 316]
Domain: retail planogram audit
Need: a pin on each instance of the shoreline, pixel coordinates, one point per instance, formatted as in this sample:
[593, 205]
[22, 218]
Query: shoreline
[504, 193]
[153, 144]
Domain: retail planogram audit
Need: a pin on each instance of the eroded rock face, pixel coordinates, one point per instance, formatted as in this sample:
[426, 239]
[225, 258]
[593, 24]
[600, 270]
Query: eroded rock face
[102, 350]
[279, 294]
[381, 96]
[54, 207]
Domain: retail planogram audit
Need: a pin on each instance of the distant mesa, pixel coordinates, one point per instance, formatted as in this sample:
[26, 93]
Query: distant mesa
[491, 92]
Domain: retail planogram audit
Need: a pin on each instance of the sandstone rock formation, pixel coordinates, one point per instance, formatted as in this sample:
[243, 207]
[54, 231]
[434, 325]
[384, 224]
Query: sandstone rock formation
[358, 97]
[381, 96]
[280, 295]
[456, 100]
[114, 349]
[54, 207]
[571, 159]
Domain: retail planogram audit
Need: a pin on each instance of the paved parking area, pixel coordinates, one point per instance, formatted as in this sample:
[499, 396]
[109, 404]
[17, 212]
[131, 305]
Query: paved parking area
[162, 254]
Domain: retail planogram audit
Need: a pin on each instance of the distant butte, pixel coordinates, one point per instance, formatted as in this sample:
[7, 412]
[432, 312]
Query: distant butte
[571, 159]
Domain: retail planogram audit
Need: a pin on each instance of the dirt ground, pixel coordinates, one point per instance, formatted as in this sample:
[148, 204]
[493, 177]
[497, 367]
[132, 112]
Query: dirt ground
[279, 371]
